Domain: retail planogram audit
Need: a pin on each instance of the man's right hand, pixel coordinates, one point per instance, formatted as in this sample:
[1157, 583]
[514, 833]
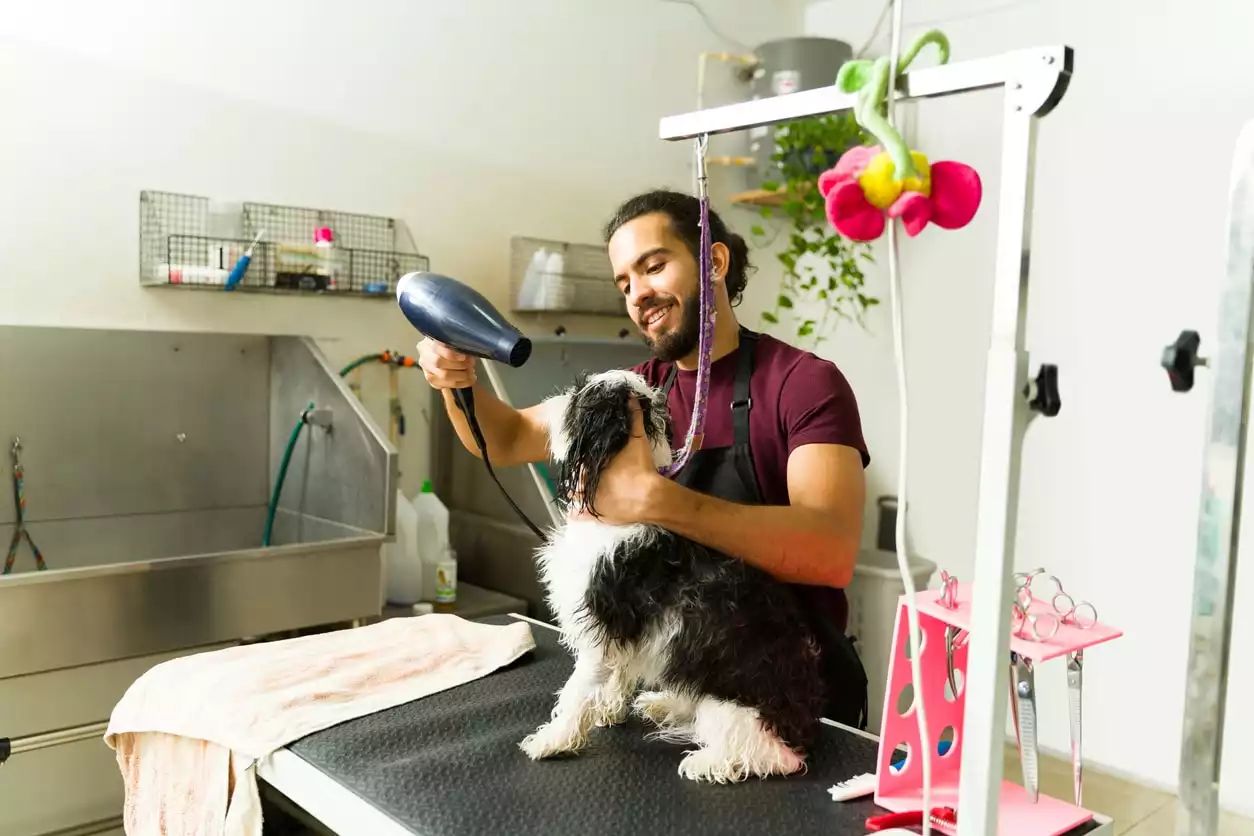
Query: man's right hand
[445, 367]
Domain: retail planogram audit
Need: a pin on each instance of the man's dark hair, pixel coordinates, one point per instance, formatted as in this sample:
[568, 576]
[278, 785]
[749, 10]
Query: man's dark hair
[684, 212]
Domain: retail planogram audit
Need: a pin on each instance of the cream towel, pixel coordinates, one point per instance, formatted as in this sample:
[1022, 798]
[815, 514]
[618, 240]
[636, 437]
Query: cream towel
[189, 731]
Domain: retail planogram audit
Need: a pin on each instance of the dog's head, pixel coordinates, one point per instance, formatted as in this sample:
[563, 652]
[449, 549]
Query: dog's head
[590, 423]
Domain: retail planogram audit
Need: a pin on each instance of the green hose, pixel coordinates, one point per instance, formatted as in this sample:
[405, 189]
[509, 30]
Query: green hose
[360, 361]
[278, 483]
[391, 358]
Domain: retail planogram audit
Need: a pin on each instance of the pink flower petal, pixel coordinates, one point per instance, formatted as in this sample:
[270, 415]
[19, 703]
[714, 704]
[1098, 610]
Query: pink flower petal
[852, 215]
[915, 211]
[848, 167]
[956, 194]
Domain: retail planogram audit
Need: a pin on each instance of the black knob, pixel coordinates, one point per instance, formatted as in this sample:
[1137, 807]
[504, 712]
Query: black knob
[1042, 393]
[623, 334]
[1180, 358]
[560, 330]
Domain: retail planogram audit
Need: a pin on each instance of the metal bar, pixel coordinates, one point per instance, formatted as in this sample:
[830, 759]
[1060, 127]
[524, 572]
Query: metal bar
[931, 82]
[1218, 535]
[1006, 417]
[60, 737]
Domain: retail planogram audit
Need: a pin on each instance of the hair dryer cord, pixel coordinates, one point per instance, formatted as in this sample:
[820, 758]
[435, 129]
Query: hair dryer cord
[465, 399]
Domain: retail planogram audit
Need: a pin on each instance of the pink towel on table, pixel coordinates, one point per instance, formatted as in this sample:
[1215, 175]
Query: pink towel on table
[189, 731]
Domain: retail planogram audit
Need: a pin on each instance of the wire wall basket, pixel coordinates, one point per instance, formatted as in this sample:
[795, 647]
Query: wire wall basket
[193, 242]
[559, 277]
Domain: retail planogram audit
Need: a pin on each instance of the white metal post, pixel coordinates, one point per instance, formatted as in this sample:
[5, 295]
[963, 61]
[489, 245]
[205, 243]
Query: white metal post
[1219, 529]
[1035, 81]
[1006, 417]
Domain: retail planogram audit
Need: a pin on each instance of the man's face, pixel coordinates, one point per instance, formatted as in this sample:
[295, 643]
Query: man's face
[658, 276]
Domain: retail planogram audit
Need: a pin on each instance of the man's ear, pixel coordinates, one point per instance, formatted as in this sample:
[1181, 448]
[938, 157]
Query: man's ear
[720, 261]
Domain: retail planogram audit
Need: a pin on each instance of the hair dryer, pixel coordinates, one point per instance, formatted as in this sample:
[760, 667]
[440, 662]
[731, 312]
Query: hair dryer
[458, 316]
[449, 312]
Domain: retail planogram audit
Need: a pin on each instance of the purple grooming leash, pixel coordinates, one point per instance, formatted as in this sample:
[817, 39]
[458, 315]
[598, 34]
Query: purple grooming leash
[696, 429]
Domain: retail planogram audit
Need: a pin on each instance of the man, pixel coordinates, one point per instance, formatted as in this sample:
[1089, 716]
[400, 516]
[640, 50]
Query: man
[779, 479]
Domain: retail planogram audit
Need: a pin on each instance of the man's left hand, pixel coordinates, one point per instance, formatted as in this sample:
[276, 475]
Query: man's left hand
[628, 484]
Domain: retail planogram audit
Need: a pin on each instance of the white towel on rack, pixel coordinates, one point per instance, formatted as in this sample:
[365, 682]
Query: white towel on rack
[189, 731]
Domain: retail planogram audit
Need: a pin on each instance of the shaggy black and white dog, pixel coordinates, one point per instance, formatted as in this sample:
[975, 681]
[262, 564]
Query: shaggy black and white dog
[722, 649]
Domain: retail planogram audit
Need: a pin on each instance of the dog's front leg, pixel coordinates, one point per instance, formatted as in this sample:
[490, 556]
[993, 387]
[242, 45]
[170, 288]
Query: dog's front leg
[576, 711]
[613, 698]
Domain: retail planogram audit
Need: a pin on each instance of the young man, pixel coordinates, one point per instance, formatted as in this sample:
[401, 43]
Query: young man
[779, 480]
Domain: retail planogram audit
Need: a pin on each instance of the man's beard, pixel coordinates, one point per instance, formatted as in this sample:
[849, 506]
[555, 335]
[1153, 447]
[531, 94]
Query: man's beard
[679, 343]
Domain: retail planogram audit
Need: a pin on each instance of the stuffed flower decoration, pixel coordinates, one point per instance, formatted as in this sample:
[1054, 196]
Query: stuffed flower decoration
[862, 189]
[871, 183]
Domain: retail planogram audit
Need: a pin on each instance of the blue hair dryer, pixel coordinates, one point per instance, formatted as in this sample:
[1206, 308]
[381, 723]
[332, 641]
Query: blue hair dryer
[449, 312]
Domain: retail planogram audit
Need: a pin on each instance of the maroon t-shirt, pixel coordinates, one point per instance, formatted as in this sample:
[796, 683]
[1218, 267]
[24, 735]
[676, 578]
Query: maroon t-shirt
[798, 398]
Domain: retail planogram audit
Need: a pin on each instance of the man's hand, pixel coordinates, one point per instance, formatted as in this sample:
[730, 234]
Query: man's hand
[628, 485]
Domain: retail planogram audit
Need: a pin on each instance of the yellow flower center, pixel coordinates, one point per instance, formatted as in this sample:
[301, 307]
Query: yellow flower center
[882, 188]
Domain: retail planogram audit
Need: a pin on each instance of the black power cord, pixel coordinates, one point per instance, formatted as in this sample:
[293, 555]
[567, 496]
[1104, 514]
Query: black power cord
[465, 399]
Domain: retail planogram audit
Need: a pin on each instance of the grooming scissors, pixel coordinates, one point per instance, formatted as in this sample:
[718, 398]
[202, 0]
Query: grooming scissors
[19, 526]
[949, 591]
[1080, 614]
[1023, 618]
[955, 637]
[1023, 708]
[1075, 684]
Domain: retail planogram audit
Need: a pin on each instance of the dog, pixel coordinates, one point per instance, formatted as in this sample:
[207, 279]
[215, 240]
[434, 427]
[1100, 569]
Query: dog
[721, 648]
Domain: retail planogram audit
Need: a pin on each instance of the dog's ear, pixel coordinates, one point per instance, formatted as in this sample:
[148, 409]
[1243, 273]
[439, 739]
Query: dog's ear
[554, 410]
[657, 418]
[597, 428]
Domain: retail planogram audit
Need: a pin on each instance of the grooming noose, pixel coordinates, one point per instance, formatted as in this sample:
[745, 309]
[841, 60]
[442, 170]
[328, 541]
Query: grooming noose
[705, 346]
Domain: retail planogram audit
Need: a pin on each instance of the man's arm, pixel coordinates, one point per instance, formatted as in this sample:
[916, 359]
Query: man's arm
[815, 540]
[513, 436]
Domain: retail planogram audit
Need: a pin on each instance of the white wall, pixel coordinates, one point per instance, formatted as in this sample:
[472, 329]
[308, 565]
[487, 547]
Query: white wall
[471, 120]
[1128, 244]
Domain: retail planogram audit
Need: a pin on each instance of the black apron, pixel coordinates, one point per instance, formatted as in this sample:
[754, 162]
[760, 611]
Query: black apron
[728, 473]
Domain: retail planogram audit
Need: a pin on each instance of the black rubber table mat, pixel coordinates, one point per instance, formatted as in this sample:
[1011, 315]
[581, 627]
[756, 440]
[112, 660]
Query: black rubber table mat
[449, 765]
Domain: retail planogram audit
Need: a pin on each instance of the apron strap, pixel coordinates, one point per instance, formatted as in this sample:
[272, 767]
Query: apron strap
[742, 401]
[670, 381]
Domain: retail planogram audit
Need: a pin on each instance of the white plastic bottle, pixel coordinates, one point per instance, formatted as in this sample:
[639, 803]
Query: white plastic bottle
[557, 291]
[402, 564]
[439, 563]
[531, 293]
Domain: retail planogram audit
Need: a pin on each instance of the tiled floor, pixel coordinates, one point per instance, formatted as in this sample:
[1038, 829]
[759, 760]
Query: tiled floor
[1137, 810]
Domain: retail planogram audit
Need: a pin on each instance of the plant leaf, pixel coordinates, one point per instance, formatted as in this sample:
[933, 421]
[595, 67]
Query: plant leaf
[785, 302]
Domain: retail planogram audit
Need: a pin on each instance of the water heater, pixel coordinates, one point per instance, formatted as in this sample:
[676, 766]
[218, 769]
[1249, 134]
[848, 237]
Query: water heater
[786, 66]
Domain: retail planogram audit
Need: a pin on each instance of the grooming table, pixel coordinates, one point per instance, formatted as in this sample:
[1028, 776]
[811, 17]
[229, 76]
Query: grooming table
[449, 765]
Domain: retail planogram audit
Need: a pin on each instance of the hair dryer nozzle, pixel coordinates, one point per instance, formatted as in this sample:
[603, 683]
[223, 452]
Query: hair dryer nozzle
[452, 313]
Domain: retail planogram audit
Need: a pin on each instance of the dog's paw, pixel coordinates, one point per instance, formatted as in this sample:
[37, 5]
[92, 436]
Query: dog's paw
[711, 766]
[550, 740]
[706, 766]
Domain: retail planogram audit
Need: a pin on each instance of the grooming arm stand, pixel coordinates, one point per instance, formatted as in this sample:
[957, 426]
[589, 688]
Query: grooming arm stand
[1035, 81]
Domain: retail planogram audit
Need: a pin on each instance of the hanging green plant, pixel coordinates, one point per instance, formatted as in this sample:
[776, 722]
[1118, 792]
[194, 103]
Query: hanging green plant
[821, 268]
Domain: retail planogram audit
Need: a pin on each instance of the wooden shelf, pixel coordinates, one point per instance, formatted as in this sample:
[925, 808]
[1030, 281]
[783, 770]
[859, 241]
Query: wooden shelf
[759, 197]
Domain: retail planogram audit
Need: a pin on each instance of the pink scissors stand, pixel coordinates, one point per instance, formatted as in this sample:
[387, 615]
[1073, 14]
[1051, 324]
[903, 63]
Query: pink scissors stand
[901, 789]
